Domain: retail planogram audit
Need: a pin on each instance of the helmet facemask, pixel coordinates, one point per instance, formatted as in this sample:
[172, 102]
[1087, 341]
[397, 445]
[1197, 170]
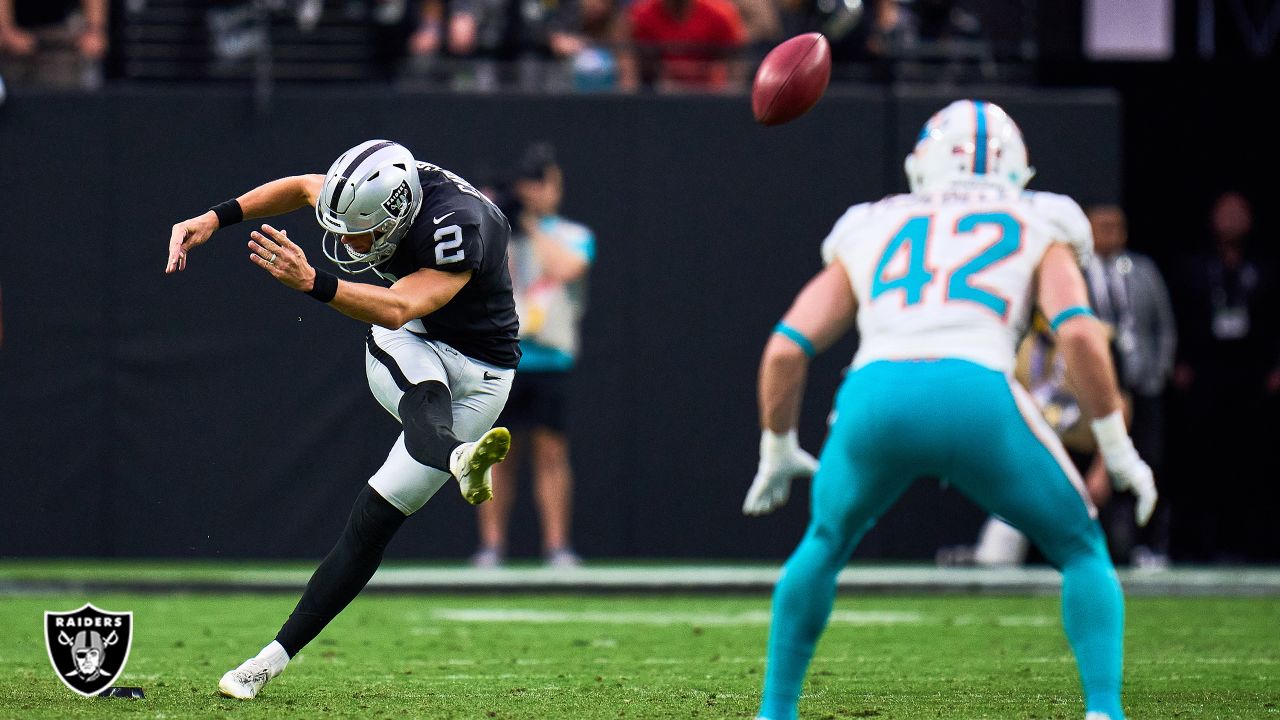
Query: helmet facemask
[385, 242]
[372, 188]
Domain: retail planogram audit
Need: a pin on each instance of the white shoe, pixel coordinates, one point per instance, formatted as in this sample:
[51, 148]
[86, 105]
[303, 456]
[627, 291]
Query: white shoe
[1144, 558]
[246, 681]
[472, 461]
[1097, 716]
[564, 558]
[487, 558]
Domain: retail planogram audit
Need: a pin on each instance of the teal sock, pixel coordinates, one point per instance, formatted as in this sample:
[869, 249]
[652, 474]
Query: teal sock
[1093, 617]
[802, 604]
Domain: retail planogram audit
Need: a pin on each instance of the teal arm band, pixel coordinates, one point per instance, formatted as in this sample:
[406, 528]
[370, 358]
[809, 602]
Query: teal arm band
[794, 336]
[1067, 314]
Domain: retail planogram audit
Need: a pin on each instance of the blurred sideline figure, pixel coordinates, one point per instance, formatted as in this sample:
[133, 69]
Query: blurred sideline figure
[1129, 295]
[549, 257]
[440, 353]
[53, 43]
[1227, 374]
[942, 282]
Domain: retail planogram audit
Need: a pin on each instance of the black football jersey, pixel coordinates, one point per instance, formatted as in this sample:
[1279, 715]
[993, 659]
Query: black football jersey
[458, 229]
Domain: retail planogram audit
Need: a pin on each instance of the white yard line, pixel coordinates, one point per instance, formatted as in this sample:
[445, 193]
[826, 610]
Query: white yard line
[858, 578]
[590, 617]
[711, 619]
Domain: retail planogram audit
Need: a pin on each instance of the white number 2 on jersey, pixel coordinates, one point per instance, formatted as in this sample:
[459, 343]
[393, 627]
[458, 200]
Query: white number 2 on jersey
[444, 256]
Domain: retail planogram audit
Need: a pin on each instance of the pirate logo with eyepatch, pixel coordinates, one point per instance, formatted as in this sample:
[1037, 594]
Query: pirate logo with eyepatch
[88, 647]
[398, 202]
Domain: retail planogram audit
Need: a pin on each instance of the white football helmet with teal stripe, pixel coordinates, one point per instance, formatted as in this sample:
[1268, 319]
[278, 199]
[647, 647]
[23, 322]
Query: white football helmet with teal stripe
[968, 140]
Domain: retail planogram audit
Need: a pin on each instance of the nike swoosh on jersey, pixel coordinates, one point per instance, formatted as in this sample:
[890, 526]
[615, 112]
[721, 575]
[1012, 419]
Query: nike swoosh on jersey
[438, 220]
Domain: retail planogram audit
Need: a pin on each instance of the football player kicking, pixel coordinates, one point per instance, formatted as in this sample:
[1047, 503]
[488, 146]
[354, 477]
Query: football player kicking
[941, 283]
[440, 355]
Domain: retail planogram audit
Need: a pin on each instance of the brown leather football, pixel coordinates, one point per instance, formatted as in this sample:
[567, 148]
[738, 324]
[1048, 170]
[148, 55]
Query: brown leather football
[791, 79]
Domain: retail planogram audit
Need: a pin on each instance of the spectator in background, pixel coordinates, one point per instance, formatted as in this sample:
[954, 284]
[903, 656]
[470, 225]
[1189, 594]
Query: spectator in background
[863, 33]
[684, 45]
[510, 43]
[428, 35]
[583, 35]
[1129, 294]
[762, 22]
[549, 257]
[876, 34]
[1228, 369]
[942, 20]
[454, 31]
[53, 43]
[487, 32]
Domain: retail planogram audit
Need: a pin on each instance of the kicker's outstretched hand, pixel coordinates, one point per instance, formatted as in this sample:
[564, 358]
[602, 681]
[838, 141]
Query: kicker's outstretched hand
[186, 236]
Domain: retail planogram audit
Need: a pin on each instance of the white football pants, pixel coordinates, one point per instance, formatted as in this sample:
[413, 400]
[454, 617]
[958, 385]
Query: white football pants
[395, 360]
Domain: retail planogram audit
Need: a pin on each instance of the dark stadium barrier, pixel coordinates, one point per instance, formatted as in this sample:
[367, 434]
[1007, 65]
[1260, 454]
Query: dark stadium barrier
[216, 414]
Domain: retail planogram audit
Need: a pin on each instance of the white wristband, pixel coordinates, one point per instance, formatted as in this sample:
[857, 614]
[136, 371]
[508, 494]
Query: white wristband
[777, 445]
[1113, 439]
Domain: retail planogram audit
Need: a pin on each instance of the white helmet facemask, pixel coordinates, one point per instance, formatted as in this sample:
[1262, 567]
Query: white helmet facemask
[968, 141]
[371, 188]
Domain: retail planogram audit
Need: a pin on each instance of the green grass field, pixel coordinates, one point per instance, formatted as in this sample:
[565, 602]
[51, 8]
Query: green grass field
[571, 657]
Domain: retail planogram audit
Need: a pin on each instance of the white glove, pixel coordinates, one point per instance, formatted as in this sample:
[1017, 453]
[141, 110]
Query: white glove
[1127, 470]
[781, 459]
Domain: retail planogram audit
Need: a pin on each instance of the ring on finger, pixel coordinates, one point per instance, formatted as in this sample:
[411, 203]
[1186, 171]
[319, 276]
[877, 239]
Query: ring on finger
[272, 259]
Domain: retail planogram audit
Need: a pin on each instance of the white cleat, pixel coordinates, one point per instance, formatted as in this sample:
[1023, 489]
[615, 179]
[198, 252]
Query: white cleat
[563, 559]
[1097, 716]
[472, 463]
[246, 681]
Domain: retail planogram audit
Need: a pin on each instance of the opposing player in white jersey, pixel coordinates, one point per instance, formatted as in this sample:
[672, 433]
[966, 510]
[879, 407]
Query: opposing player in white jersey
[942, 283]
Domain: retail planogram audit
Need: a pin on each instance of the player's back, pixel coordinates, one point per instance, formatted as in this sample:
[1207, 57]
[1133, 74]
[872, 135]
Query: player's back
[950, 274]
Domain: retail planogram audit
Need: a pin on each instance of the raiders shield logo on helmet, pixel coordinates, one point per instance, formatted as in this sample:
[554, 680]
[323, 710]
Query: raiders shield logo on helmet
[399, 200]
[88, 647]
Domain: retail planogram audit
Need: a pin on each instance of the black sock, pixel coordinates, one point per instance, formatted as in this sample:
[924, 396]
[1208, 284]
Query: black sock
[426, 411]
[345, 570]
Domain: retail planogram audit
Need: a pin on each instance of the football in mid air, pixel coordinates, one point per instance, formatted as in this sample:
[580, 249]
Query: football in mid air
[791, 79]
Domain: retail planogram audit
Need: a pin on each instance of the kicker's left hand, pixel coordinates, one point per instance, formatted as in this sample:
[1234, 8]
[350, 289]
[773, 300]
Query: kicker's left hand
[273, 251]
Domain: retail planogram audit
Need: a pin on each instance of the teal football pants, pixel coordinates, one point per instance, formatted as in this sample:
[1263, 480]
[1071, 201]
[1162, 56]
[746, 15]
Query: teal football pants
[897, 421]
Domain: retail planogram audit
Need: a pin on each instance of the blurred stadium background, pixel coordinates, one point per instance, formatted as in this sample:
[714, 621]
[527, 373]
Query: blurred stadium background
[133, 405]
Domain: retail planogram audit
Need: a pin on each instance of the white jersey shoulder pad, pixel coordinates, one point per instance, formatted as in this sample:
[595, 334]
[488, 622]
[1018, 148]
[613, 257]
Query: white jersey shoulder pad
[846, 228]
[1066, 220]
